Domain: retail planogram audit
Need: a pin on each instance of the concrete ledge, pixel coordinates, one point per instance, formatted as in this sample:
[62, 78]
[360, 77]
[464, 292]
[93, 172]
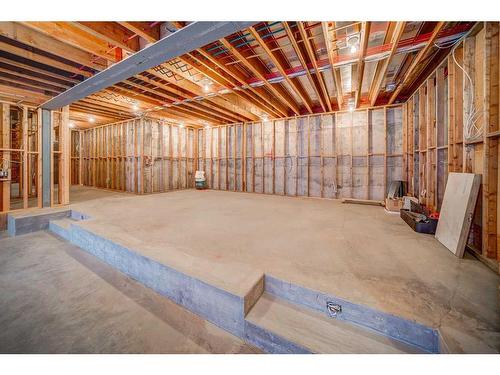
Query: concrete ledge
[270, 342]
[227, 309]
[218, 306]
[404, 330]
[34, 220]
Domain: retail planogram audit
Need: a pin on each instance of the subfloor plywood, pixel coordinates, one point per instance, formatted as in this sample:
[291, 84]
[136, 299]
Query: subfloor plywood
[355, 252]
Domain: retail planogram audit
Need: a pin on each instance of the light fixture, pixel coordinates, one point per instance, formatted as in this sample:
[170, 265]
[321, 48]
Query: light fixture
[353, 43]
[264, 117]
[351, 105]
[206, 88]
[135, 107]
[71, 125]
[91, 119]
[181, 124]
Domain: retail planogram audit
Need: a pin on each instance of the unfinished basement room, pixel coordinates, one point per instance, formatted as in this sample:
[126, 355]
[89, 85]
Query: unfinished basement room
[249, 187]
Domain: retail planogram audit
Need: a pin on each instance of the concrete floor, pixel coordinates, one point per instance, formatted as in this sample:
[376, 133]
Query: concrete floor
[56, 298]
[360, 253]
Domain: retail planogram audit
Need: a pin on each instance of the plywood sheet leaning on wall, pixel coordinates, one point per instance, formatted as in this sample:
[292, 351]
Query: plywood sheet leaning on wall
[456, 214]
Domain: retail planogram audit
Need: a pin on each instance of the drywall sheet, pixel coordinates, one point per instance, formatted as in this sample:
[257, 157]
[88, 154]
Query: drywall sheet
[456, 213]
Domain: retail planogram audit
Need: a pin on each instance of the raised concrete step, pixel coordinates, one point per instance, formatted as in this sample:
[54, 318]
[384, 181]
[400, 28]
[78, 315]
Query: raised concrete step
[61, 227]
[176, 278]
[278, 326]
[33, 220]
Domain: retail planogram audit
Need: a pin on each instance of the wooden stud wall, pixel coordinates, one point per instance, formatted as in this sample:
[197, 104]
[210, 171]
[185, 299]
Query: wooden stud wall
[140, 156]
[434, 141]
[335, 155]
[19, 145]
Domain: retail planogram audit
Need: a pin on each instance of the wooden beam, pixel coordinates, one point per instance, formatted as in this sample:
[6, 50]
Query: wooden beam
[303, 62]
[275, 59]
[29, 55]
[74, 36]
[365, 35]
[23, 34]
[144, 30]
[250, 94]
[22, 95]
[379, 78]
[335, 73]
[416, 61]
[112, 33]
[195, 90]
[29, 84]
[312, 58]
[33, 78]
[288, 101]
[15, 65]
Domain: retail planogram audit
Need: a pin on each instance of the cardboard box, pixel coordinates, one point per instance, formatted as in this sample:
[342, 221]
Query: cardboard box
[393, 205]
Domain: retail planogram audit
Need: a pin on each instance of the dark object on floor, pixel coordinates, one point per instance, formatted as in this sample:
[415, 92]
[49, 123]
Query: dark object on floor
[419, 222]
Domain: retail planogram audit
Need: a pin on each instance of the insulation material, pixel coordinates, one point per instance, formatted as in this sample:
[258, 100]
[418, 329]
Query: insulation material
[239, 157]
[315, 182]
[376, 177]
[215, 158]
[303, 158]
[268, 144]
[279, 157]
[377, 131]
[442, 175]
[231, 157]
[249, 158]
[291, 157]
[329, 156]
[394, 131]
[258, 152]
[222, 159]
[147, 162]
[343, 130]
[394, 169]
[359, 154]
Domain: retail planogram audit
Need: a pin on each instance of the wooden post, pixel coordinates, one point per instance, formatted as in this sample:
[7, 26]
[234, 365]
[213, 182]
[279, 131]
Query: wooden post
[39, 180]
[25, 156]
[80, 158]
[64, 156]
[5, 155]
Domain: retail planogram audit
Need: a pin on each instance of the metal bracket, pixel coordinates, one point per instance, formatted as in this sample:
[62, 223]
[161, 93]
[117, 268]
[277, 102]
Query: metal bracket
[334, 309]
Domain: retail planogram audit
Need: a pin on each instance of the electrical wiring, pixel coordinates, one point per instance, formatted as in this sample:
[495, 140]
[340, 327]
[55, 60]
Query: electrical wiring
[472, 132]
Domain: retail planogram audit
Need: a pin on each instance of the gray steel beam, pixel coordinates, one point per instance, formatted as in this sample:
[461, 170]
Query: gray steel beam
[187, 39]
[46, 156]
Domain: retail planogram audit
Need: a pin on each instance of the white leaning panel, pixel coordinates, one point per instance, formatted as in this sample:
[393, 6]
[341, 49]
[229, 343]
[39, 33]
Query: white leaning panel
[456, 212]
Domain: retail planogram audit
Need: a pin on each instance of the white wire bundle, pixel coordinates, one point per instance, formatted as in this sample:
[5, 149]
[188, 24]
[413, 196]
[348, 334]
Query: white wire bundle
[472, 130]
